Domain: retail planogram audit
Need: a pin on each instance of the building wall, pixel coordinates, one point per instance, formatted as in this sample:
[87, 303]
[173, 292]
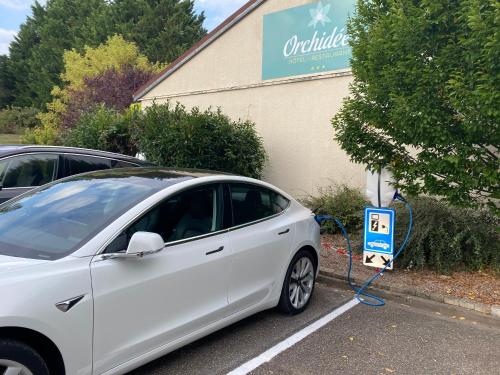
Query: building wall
[292, 115]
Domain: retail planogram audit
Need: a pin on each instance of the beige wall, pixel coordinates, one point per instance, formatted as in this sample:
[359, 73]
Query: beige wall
[292, 115]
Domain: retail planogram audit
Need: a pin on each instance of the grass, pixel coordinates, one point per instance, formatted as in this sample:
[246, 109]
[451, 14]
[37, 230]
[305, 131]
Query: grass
[10, 138]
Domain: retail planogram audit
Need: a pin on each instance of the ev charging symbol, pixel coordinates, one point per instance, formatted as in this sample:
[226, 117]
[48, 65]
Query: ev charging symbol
[379, 223]
[374, 222]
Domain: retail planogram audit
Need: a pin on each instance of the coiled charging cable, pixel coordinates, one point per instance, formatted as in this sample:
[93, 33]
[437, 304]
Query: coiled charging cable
[361, 294]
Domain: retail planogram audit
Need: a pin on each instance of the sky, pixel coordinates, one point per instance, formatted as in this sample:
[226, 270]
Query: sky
[14, 12]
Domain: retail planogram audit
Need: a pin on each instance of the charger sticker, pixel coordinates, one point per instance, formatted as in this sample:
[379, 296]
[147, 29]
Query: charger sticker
[378, 237]
[380, 223]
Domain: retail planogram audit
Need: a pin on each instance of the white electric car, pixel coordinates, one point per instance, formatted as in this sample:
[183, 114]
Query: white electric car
[103, 272]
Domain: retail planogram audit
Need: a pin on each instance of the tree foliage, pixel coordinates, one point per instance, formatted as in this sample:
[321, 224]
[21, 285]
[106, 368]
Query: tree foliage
[6, 81]
[15, 120]
[425, 100]
[113, 88]
[172, 136]
[115, 53]
[36, 52]
[162, 30]
[88, 80]
[103, 128]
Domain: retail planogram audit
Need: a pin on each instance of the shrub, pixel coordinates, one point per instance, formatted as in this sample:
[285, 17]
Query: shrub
[169, 135]
[103, 129]
[42, 135]
[344, 202]
[16, 119]
[448, 239]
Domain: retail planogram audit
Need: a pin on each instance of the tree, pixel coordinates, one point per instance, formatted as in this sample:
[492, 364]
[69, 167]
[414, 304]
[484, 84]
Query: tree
[163, 29]
[36, 53]
[116, 54]
[6, 80]
[113, 88]
[425, 100]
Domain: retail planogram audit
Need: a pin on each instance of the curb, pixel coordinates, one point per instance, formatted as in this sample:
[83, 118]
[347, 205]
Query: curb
[386, 288]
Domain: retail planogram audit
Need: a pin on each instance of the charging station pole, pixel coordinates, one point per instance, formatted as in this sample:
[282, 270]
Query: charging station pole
[378, 239]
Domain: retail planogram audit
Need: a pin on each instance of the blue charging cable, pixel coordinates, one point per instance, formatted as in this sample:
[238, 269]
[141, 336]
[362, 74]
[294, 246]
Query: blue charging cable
[361, 291]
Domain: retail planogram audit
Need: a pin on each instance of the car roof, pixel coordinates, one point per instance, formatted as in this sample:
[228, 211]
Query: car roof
[9, 150]
[159, 176]
[152, 173]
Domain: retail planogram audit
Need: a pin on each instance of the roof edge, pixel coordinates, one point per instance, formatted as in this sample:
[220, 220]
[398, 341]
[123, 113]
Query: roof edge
[208, 39]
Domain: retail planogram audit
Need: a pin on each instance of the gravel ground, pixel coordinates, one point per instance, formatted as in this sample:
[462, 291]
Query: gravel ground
[477, 286]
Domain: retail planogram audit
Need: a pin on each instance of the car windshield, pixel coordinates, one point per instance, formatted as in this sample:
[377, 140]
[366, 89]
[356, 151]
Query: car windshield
[54, 221]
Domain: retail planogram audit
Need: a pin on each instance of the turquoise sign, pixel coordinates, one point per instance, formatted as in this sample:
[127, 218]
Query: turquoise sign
[307, 39]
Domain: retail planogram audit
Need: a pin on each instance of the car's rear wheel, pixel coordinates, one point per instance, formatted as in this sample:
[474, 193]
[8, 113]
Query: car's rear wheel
[17, 358]
[298, 286]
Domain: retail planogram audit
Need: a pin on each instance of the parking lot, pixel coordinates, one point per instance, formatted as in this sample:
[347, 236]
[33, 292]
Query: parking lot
[416, 337]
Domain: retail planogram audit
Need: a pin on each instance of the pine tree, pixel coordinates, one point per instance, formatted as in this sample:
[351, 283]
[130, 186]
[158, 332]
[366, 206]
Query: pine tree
[163, 29]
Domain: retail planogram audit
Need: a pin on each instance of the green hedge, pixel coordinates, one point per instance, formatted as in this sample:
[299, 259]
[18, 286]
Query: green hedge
[103, 129]
[172, 136]
[447, 239]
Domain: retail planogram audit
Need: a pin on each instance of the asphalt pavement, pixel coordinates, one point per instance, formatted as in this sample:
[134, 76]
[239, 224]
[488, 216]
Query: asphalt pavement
[403, 337]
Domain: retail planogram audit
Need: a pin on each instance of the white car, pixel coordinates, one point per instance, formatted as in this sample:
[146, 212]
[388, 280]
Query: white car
[379, 243]
[103, 272]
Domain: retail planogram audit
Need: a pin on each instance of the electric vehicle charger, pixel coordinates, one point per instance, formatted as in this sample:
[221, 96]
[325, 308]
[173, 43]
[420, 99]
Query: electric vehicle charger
[361, 291]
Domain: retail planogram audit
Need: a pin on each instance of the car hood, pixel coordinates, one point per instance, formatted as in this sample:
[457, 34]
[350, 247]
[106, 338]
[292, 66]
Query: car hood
[8, 263]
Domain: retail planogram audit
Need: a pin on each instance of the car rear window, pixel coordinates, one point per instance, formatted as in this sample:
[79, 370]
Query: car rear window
[252, 202]
[77, 164]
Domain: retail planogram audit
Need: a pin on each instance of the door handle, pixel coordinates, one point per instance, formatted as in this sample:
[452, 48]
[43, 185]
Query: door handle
[284, 232]
[215, 251]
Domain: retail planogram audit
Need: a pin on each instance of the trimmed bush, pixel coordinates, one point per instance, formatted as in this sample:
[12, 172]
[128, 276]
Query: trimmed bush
[172, 136]
[103, 129]
[15, 120]
[447, 239]
[344, 202]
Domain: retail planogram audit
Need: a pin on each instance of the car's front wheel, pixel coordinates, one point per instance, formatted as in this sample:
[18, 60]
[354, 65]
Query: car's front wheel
[17, 358]
[298, 286]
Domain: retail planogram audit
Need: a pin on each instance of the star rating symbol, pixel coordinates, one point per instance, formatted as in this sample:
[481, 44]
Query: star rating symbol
[319, 15]
[318, 67]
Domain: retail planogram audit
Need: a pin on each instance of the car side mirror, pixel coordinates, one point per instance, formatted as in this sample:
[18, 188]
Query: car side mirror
[144, 243]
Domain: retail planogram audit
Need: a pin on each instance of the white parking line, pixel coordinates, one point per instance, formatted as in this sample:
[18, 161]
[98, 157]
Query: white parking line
[269, 354]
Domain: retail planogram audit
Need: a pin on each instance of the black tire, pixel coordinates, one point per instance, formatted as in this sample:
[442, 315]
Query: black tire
[285, 304]
[16, 351]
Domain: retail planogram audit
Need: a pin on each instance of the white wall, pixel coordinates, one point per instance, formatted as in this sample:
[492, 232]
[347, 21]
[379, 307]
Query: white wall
[292, 115]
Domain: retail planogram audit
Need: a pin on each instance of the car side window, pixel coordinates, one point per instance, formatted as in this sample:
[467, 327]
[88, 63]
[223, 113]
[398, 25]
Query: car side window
[76, 164]
[122, 164]
[252, 202]
[28, 170]
[3, 168]
[189, 214]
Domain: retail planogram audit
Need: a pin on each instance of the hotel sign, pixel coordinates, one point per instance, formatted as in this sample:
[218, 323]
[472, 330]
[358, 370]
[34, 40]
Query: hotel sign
[307, 39]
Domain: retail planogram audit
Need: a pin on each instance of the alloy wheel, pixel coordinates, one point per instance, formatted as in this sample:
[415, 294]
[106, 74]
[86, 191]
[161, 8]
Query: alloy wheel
[301, 282]
[8, 367]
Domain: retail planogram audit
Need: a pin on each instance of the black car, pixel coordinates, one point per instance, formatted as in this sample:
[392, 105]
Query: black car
[24, 167]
